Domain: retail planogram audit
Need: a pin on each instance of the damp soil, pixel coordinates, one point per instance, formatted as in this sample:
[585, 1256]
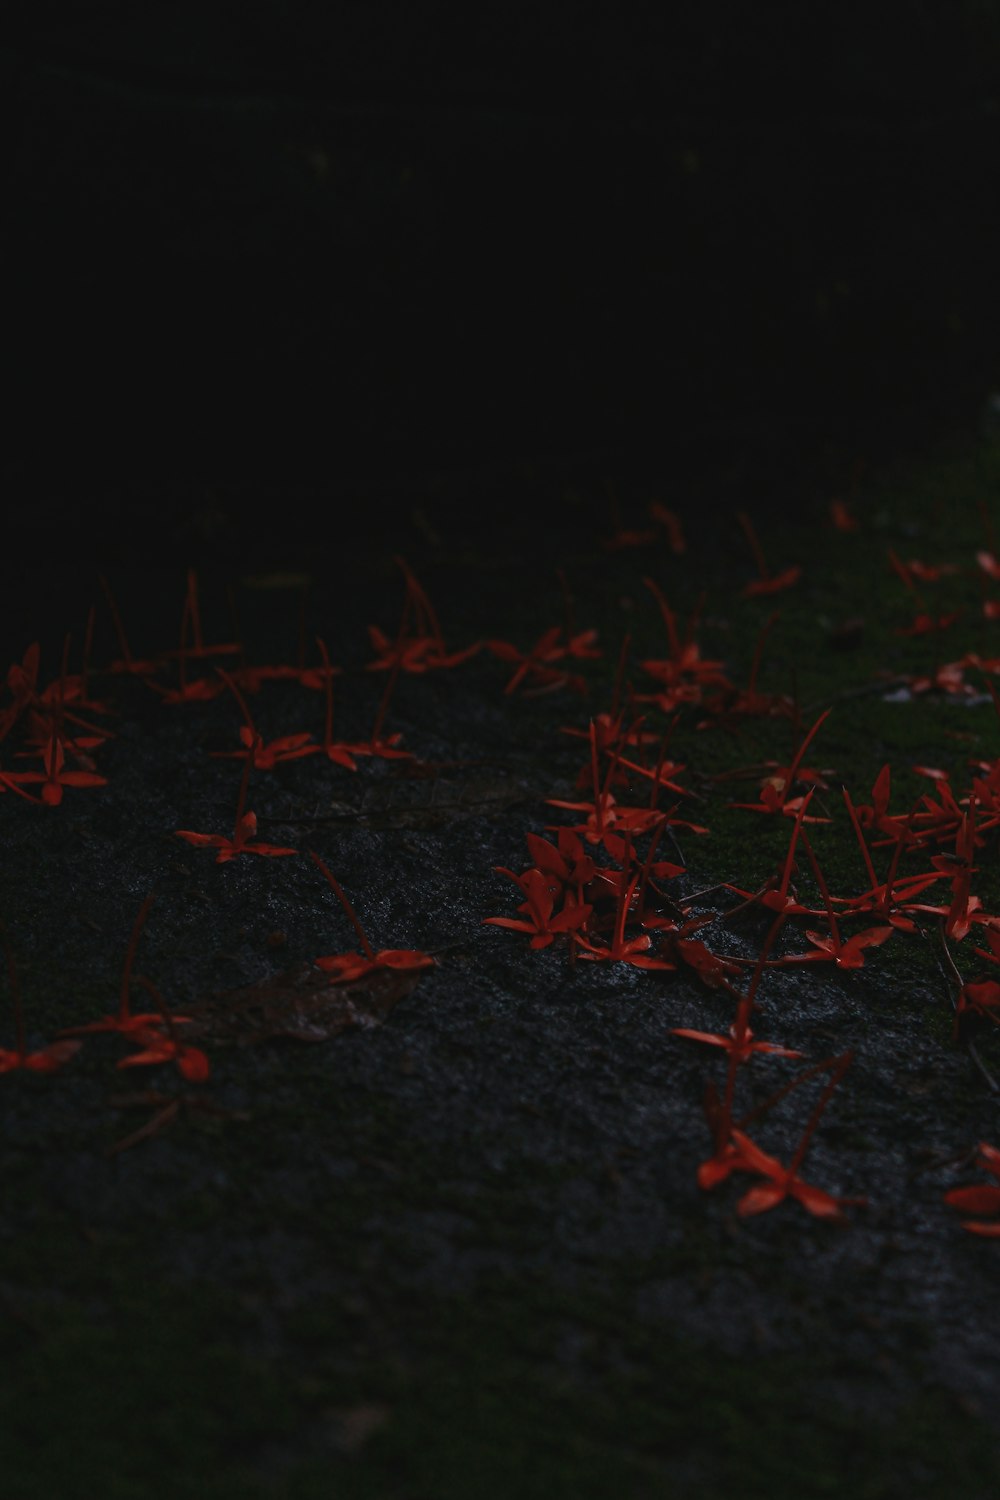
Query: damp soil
[463, 1251]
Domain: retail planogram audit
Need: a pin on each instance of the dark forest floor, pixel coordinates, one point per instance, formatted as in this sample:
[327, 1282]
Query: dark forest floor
[464, 1252]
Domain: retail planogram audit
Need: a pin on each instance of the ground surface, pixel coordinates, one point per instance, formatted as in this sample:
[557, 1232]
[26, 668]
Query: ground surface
[464, 1252]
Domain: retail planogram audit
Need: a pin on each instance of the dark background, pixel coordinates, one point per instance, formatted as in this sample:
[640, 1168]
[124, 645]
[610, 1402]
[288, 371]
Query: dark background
[264, 259]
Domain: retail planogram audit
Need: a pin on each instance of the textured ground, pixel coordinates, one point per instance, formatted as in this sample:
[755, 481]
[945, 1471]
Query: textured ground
[464, 1252]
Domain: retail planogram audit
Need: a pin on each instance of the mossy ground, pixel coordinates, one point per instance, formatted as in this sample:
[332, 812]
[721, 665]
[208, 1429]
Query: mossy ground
[465, 1253]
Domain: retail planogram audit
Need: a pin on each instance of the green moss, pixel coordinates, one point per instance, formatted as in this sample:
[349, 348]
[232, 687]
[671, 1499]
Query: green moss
[160, 1395]
[147, 1396]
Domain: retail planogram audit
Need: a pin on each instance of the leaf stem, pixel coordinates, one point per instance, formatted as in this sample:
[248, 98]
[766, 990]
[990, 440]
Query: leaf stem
[237, 694]
[840, 1068]
[349, 909]
[747, 528]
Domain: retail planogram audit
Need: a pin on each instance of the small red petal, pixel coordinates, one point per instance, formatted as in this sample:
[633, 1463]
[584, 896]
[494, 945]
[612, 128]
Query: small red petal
[974, 1200]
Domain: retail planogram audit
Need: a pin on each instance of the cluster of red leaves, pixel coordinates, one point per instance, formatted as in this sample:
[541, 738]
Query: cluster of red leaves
[592, 884]
[49, 723]
[598, 889]
[948, 677]
[49, 728]
[595, 892]
[599, 894]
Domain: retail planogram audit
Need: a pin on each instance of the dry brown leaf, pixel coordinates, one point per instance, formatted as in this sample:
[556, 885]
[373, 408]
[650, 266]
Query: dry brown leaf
[301, 1003]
